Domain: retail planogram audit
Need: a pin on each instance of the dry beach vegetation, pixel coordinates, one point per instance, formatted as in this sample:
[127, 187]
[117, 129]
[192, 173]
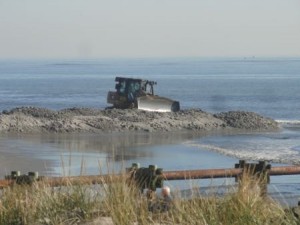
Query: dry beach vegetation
[121, 203]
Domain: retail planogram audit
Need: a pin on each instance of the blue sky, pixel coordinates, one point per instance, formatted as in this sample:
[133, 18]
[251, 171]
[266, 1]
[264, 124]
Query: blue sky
[148, 28]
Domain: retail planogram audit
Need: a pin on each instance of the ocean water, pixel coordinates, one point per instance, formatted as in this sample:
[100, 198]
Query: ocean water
[268, 86]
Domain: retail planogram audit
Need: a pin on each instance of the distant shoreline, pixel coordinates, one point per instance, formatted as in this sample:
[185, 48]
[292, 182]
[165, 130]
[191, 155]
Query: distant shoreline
[88, 120]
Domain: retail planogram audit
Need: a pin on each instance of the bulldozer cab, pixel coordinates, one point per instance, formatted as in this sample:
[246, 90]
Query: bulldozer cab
[128, 90]
[134, 87]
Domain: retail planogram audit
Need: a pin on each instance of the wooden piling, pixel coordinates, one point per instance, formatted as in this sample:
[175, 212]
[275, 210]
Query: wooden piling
[167, 175]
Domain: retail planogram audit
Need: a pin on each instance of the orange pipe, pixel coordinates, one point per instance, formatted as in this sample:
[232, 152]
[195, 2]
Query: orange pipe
[168, 175]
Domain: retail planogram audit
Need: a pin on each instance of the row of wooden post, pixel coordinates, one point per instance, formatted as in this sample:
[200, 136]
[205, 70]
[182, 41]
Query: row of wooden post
[152, 177]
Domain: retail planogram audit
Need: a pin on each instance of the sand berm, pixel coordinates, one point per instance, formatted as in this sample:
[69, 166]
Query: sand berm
[36, 120]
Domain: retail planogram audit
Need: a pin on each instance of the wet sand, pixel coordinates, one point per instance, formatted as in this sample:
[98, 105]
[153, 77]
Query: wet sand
[84, 141]
[72, 141]
[73, 154]
[88, 154]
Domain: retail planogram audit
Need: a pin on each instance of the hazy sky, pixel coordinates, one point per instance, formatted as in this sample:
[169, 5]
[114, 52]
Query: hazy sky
[148, 28]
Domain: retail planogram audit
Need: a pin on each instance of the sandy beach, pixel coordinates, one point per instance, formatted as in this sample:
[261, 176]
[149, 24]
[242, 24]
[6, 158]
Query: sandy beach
[44, 140]
[57, 143]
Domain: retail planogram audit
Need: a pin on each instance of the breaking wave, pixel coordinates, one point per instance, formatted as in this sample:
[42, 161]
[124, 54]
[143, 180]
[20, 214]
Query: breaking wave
[289, 123]
[282, 155]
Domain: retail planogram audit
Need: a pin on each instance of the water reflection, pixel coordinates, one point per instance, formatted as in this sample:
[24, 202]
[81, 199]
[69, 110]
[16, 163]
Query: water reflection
[75, 154]
[72, 154]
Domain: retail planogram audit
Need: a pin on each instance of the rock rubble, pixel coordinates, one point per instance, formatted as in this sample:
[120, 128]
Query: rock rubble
[32, 120]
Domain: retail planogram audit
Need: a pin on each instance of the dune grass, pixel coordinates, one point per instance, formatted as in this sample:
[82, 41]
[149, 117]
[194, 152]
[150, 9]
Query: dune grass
[78, 204]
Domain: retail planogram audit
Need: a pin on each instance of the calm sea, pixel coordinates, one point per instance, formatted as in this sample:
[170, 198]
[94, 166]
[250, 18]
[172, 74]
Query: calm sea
[269, 86]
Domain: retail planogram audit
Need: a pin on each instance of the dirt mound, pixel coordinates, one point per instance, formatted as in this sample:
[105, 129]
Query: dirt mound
[31, 119]
[246, 120]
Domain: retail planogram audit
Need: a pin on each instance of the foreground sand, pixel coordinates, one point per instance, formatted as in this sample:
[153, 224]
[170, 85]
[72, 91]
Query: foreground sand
[35, 120]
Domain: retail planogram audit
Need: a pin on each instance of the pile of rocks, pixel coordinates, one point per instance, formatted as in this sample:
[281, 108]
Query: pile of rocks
[32, 119]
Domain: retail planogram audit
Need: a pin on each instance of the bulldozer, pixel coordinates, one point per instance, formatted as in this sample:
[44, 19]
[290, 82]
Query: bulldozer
[139, 93]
